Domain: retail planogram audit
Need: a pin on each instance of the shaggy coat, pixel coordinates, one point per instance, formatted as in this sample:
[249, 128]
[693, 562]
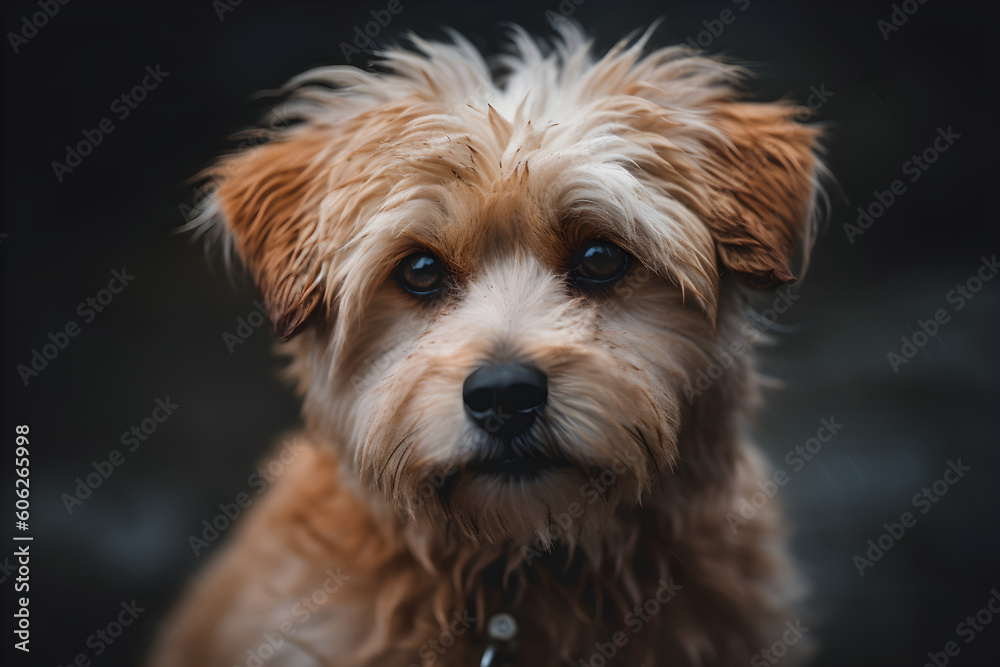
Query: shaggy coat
[378, 546]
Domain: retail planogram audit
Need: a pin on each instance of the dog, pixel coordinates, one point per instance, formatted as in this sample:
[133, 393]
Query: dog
[500, 286]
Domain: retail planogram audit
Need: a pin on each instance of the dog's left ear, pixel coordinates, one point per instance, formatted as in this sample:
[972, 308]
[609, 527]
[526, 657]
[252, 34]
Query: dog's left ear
[760, 171]
[269, 199]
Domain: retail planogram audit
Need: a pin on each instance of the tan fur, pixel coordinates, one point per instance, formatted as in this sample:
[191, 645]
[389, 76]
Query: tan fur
[658, 154]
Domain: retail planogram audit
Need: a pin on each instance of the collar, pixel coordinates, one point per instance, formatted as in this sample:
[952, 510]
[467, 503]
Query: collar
[502, 632]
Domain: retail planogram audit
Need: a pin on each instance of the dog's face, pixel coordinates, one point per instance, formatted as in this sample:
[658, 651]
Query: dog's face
[497, 294]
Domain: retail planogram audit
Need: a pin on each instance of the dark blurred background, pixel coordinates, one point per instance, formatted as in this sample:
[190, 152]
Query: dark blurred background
[883, 92]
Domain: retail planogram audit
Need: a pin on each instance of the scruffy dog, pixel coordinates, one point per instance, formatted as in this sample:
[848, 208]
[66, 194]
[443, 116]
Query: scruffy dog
[514, 296]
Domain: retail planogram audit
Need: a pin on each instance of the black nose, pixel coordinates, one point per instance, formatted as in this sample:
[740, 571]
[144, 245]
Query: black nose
[504, 399]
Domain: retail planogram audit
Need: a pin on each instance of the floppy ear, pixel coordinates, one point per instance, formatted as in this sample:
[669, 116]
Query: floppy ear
[760, 172]
[269, 199]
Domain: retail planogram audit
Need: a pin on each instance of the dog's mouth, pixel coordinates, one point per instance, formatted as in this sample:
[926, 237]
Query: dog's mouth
[516, 463]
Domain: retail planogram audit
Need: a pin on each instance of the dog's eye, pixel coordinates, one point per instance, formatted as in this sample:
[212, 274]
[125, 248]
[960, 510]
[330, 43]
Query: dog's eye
[599, 262]
[420, 273]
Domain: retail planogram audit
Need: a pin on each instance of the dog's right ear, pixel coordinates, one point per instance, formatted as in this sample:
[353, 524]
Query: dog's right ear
[761, 175]
[269, 199]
